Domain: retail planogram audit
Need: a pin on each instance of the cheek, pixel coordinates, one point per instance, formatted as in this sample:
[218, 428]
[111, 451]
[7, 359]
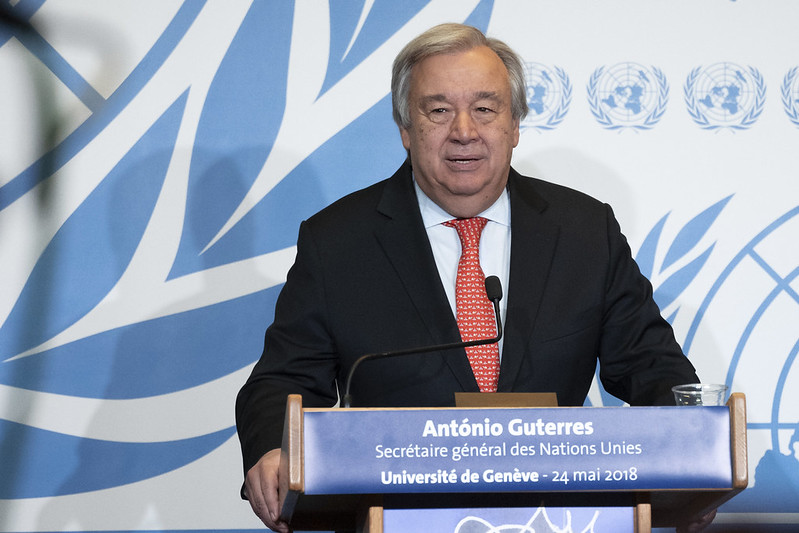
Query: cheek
[508, 137]
[425, 139]
[423, 133]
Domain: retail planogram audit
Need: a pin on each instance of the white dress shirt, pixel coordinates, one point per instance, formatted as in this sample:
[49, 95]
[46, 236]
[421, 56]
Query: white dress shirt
[446, 245]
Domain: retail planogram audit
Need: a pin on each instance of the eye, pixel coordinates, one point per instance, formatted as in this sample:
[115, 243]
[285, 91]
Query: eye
[483, 109]
[438, 115]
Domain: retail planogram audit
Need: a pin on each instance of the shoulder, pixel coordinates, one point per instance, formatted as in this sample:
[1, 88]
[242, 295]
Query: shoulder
[390, 199]
[351, 206]
[554, 201]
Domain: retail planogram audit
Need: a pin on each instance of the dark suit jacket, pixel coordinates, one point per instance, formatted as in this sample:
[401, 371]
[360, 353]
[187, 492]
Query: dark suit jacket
[365, 281]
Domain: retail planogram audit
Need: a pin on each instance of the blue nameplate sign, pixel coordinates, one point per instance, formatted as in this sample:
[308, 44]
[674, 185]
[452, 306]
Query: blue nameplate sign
[355, 451]
[515, 519]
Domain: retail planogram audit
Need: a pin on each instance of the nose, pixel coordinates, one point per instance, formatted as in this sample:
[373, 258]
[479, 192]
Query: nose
[464, 129]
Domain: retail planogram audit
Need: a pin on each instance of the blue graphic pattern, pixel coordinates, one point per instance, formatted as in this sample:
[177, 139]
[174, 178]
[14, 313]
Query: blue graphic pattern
[94, 246]
[240, 119]
[83, 135]
[725, 95]
[684, 243]
[549, 95]
[790, 95]
[153, 357]
[628, 96]
[777, 475]
[52, 464]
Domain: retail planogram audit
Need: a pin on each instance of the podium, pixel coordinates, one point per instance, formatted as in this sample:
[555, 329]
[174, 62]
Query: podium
[479, 469]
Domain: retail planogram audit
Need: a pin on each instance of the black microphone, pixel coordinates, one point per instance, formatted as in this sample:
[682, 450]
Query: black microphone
[494, 292]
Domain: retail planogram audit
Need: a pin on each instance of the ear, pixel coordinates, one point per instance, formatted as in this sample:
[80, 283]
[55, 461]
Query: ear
[406, 138]
[516, 123]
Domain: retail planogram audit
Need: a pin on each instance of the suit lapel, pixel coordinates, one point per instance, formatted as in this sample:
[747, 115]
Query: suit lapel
[533, 242]
[404, 241]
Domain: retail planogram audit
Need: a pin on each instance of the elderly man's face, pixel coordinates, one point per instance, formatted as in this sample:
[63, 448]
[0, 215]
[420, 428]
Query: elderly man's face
[462, 132]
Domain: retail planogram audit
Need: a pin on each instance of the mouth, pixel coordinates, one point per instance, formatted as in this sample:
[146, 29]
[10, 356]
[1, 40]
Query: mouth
[462, 160]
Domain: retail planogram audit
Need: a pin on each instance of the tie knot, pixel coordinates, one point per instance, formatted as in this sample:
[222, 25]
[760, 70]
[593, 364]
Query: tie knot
[469, 230]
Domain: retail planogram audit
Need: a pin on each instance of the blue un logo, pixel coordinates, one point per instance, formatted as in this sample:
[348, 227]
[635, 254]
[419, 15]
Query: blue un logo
[790, 95]
[756, 300]
[628, 96]
[549, 94]
[725, 95]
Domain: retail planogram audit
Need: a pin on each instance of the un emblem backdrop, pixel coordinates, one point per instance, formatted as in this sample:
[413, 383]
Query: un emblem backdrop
[157, 157]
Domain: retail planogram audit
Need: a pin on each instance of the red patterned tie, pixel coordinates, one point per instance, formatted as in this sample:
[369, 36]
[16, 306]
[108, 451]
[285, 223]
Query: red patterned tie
[475, 311]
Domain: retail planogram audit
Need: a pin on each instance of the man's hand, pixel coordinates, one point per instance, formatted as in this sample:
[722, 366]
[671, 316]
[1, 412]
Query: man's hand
[261, 487]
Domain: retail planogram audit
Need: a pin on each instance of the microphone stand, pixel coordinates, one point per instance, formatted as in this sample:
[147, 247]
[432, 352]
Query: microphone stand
[494, 292]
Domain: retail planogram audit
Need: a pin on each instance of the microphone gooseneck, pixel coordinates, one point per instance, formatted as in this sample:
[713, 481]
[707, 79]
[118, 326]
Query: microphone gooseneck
[494, 292]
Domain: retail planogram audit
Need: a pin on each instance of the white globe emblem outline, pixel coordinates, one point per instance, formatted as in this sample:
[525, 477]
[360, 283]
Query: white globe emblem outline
[795, 92]
[628, 74]
[537, 74]
[539, 522]
[724, 92]
[761, 310]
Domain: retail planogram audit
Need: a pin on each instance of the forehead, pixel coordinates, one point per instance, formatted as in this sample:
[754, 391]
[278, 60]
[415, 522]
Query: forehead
[475, 71]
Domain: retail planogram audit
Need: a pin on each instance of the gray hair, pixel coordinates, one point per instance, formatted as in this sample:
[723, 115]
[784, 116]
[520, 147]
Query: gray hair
[447, 39]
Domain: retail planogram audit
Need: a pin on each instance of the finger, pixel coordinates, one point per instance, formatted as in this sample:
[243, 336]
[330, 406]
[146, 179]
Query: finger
[269, 501]
[255, 488]
[268, 468]
[252, 487]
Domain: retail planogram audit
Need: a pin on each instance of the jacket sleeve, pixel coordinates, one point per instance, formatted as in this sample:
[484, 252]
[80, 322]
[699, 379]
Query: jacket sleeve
[299, 357]
[640, 360]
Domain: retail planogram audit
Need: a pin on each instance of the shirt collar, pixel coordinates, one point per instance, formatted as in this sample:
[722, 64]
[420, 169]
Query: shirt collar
[433, 214]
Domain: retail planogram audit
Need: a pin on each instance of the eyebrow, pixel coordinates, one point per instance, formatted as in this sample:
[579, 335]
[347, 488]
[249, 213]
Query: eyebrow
[488, 95]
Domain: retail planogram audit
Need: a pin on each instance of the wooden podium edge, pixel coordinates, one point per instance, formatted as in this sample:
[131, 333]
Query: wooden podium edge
[643, 517]
[292, 466]
[738, 443]
[701, 503]
[371, 521]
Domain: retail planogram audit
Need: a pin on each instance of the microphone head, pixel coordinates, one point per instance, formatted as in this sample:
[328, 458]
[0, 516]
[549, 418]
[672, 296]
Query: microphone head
[493, 288]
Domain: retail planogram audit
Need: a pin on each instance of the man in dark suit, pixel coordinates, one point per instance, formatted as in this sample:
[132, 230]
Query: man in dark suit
[376, 270]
